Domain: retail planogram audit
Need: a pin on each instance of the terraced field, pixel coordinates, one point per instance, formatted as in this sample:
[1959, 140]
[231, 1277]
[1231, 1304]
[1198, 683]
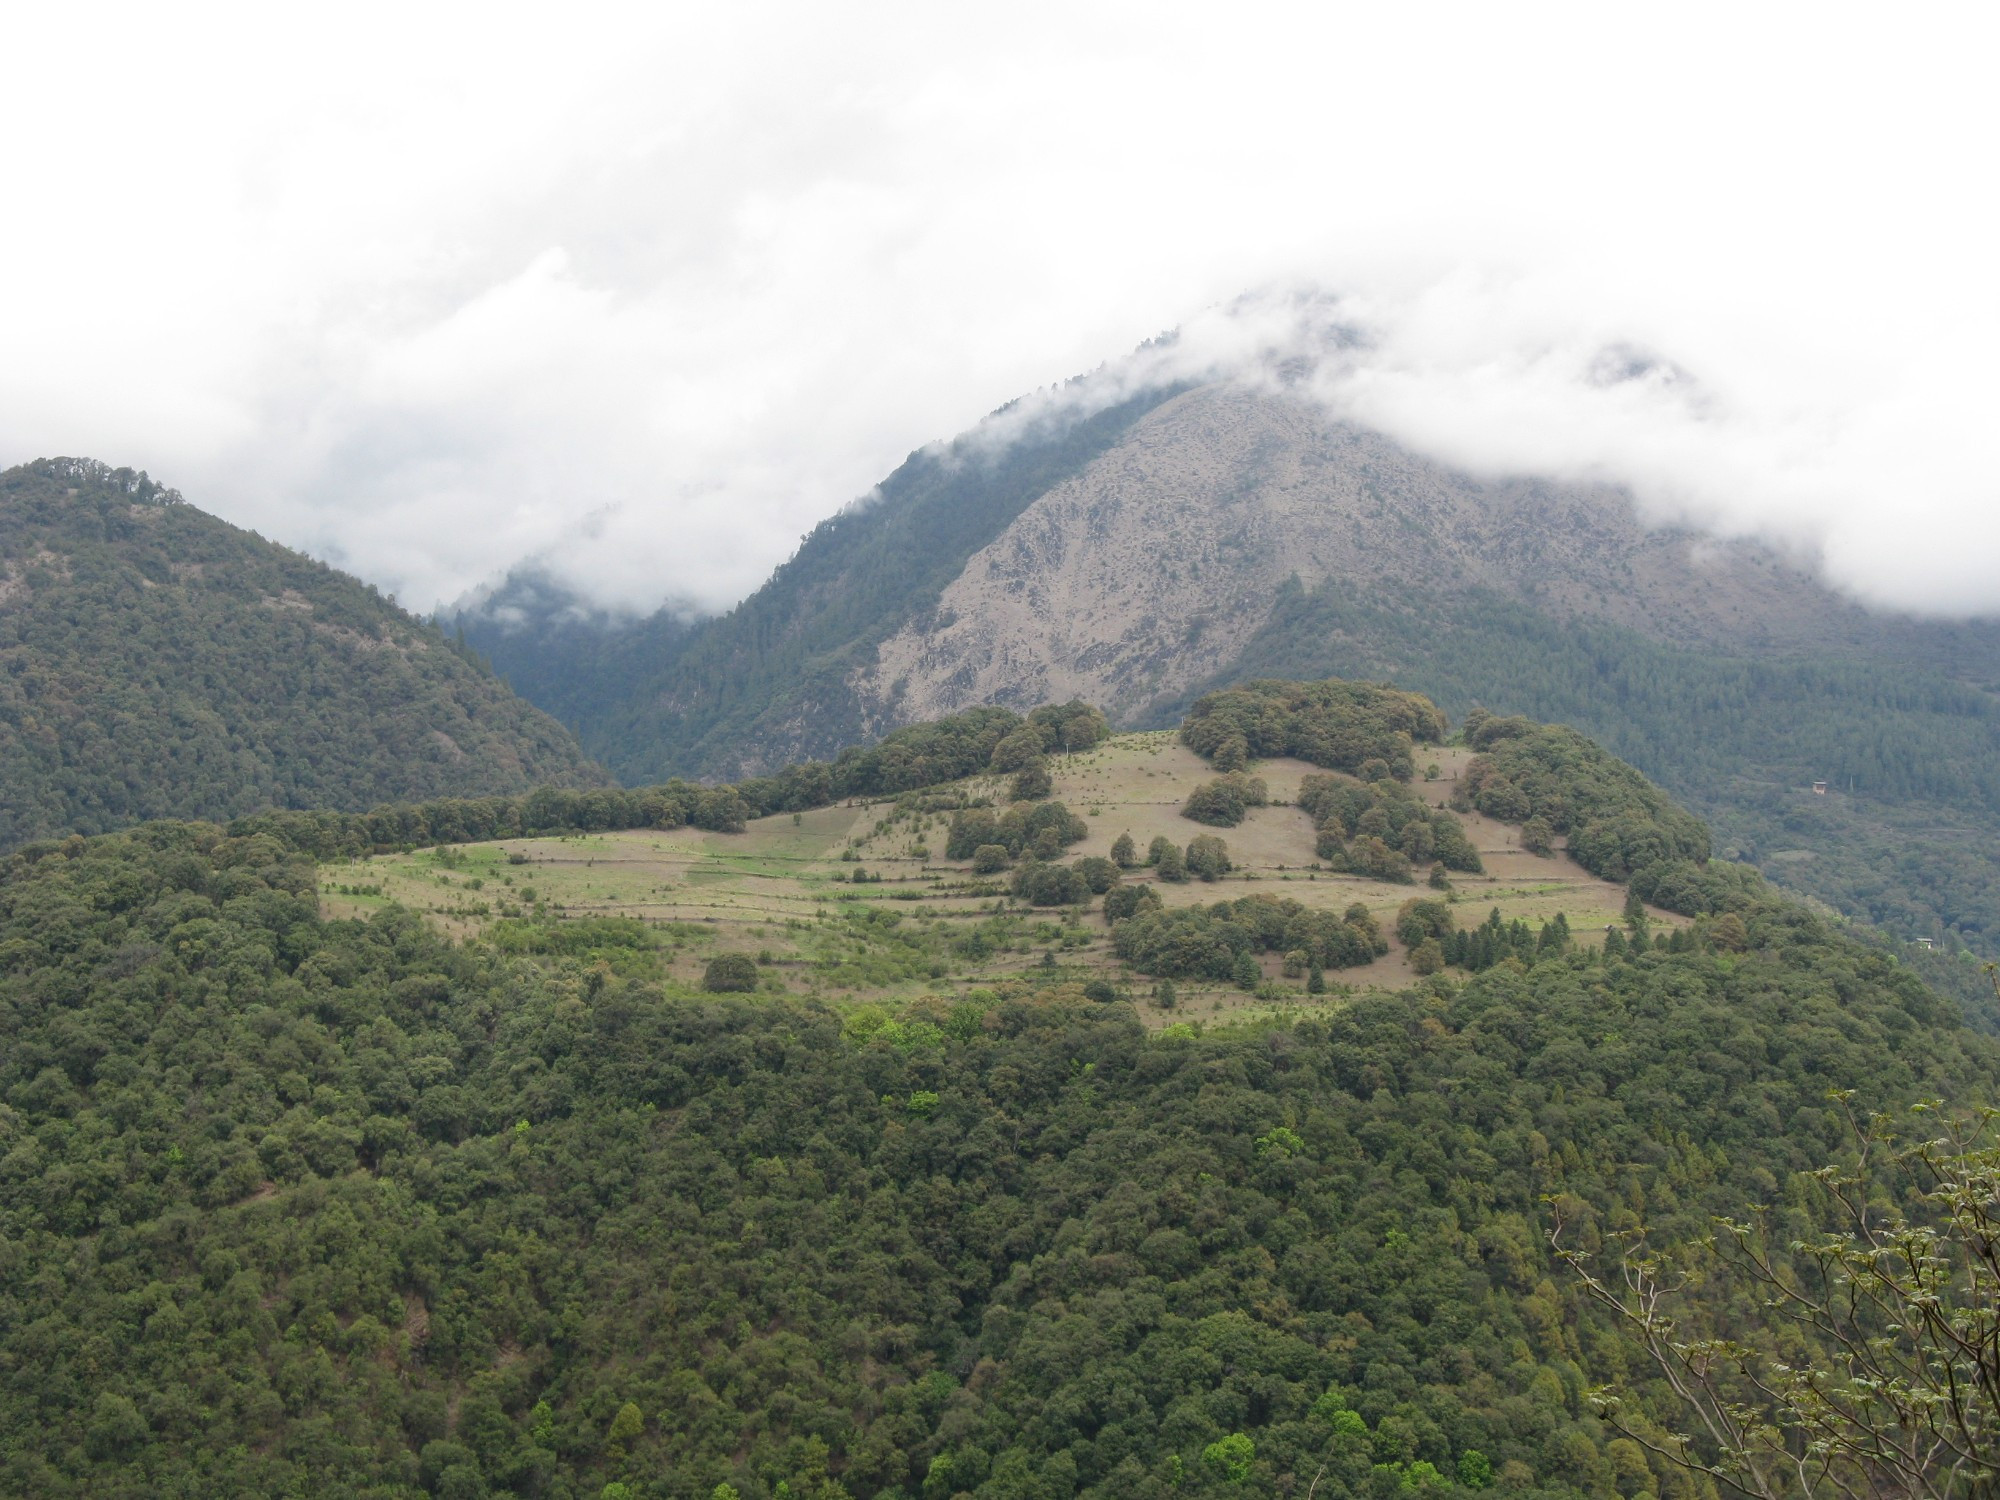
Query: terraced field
[785, 889]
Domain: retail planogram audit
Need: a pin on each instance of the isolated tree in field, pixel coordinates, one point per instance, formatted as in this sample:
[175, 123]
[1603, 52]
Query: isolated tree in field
[1124, 853]
[1877, 1370]
[730, 973]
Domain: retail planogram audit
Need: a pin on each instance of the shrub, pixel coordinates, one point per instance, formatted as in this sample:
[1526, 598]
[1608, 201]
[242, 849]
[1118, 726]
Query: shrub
[990, 859]
[1124, 853]
[730, 973]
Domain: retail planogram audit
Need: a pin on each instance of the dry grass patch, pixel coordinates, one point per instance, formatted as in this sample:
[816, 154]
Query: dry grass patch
[784, 888]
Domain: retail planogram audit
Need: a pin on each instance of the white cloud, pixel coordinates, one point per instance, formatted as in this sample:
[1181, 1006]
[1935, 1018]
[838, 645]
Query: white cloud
[648, 291]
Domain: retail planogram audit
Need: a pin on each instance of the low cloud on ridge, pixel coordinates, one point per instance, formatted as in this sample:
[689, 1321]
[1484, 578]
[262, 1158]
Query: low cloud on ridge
[645, 313]
[1497, 375]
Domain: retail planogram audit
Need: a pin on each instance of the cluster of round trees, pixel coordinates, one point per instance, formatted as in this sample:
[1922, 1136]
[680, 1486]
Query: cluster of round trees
[1214, 942]
[995, 839]
[1065, 885]
[1340, 725]
[1381, 828]
[1222, 803]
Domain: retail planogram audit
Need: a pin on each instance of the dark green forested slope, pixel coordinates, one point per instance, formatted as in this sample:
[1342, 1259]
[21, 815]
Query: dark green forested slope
[1906, 836]
[157, 662]
[290, 1207]
[766, 683]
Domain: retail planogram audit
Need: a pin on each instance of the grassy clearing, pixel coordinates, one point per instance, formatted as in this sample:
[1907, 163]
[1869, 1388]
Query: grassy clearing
[783, 890]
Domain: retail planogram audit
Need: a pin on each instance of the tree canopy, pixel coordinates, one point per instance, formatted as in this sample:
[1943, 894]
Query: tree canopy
[157, 662]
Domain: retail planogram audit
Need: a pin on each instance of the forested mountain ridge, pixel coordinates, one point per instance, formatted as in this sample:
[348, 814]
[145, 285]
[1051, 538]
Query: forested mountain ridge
[292, 1204]
[156, 661]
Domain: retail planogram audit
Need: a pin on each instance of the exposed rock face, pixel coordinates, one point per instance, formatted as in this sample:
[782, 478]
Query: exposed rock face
[1151, 569]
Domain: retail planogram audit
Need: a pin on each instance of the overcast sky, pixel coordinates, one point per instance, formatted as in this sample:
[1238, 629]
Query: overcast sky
[647, 292]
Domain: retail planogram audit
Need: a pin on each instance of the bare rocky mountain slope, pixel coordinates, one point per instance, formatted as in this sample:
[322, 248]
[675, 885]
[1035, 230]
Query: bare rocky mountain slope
[1152, 569]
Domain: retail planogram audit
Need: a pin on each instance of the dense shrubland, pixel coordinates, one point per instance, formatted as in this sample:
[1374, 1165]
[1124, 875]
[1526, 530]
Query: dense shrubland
[291, 1206]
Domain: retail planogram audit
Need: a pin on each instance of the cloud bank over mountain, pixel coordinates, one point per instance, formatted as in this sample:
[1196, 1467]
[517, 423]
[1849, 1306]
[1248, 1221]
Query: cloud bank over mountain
[643, 297]
[1886, 482]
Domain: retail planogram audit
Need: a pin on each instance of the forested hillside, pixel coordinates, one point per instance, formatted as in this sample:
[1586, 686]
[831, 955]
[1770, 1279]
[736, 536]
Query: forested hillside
[156, 662]
[394, 1216]
[1907, 738]
[298, 1205]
